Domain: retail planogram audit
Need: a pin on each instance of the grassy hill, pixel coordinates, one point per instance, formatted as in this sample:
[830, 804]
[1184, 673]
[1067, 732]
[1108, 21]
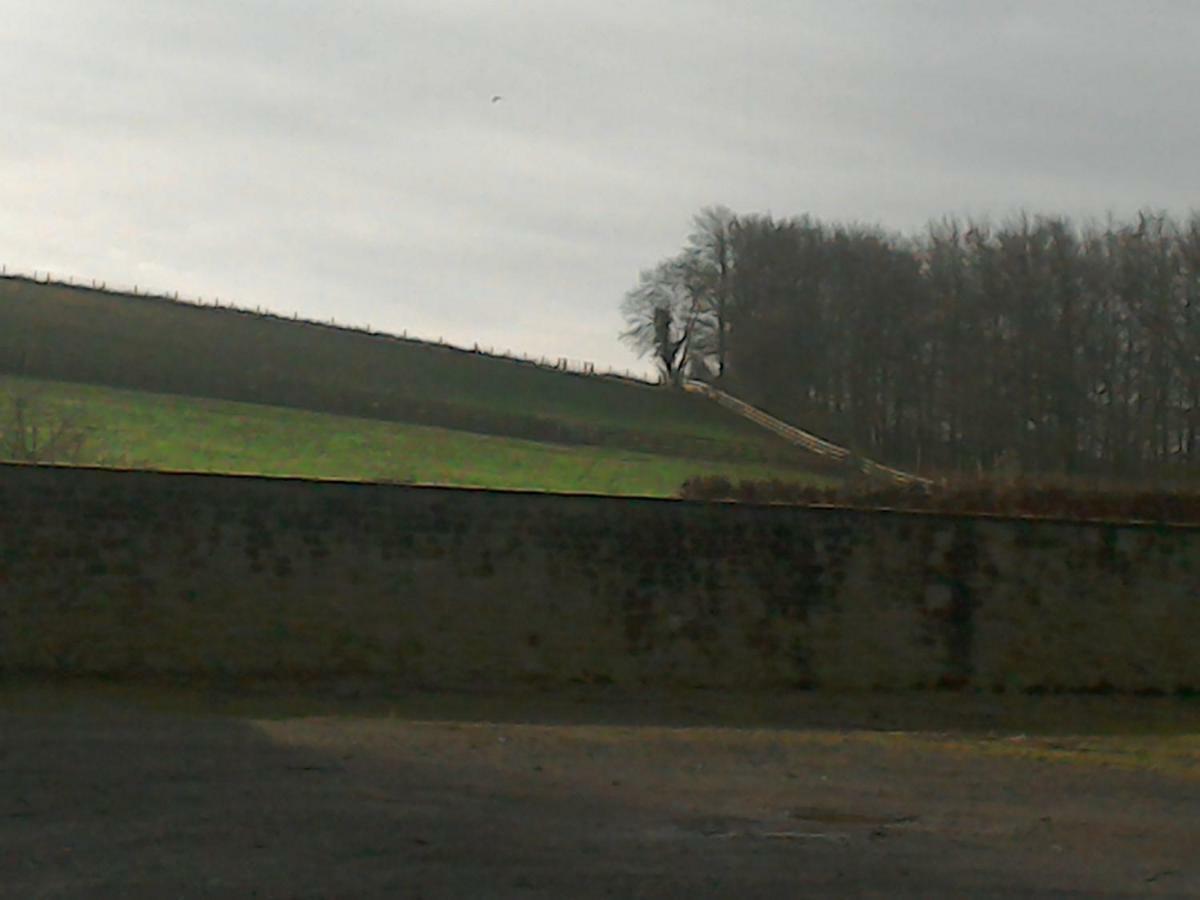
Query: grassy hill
[152, 344]
[164, 431]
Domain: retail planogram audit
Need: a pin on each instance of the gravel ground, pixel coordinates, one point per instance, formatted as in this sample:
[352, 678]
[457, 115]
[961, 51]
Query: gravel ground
[105, 793]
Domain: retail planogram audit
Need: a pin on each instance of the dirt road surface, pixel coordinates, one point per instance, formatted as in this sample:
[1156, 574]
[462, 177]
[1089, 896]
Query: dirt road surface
[109, 792]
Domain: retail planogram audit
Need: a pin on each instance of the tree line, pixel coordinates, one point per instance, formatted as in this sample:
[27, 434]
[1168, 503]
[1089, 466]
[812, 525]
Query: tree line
[1038, 345]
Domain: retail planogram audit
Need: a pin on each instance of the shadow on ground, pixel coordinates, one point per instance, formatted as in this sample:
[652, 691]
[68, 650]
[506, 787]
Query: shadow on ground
[962, 712]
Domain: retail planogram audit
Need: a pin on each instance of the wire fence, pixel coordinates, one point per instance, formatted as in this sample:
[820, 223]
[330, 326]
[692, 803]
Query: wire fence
[555, 364]
[801, 438]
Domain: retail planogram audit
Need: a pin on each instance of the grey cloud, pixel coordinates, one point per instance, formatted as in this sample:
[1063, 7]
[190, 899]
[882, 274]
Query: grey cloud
[344, 159]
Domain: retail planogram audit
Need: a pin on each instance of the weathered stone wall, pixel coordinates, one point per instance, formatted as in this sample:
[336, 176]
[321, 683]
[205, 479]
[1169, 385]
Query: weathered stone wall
[126, 572]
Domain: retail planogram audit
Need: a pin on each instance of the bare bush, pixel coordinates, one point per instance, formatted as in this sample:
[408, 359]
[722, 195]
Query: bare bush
[34, 431]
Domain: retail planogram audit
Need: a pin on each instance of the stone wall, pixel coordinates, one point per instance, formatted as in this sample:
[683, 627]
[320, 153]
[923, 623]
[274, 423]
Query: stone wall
[125, 573]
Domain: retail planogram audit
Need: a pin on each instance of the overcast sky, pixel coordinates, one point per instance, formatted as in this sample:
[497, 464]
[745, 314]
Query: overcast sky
[345, 158]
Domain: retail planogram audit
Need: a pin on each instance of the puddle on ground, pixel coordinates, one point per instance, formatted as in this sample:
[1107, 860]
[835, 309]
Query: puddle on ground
[802, 824]
[826, 816]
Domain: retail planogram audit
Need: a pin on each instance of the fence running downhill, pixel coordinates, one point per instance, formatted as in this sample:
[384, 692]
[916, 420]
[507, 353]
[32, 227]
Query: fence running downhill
[800, 438]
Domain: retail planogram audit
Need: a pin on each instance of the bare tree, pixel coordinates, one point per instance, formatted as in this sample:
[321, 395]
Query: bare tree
[666, 315]
[711, 246]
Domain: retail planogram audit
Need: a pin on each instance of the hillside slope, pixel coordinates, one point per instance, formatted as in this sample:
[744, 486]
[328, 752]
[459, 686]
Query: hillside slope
[143, 430]
[151, 344]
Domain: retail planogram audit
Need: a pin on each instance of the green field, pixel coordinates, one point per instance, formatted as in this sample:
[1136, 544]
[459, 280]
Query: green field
[161, 431]
[94, 337]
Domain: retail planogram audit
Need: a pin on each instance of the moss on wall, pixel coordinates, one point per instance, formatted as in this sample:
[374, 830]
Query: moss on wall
[123, 573]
